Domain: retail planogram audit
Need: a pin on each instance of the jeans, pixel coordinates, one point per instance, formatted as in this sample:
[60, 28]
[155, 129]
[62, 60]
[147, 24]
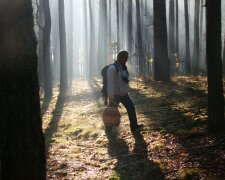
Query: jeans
[129, 105]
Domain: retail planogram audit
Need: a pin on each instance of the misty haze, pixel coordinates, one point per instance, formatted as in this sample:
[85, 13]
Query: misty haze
[112, 89]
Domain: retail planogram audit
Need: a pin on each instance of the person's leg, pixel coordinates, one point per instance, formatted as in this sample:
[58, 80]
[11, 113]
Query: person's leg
[129, 105]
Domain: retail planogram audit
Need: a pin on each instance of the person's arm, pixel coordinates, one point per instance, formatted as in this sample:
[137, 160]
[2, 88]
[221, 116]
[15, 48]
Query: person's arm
[111, 80]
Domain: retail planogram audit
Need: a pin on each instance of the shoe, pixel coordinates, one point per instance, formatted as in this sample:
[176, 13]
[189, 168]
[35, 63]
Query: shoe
[136, 128]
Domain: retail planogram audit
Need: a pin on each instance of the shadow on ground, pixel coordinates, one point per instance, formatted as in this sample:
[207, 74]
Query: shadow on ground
[135, 165]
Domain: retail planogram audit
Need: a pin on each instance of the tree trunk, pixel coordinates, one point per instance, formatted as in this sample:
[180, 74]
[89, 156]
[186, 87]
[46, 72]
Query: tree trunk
[85, 50]
[22, 147]
[177, 30]
[187, 38]
[161, 60]
[104, 32]
[118, 25]
[224, 56]
[129, 27]
[70, 43]
[63, 56]
[40, 15]
[172, 37]
[202, 39]
[47, 50]
[91, 53]
[110, 50]
[196, 40]
[122, 25]
[214, 65]
[139, 36]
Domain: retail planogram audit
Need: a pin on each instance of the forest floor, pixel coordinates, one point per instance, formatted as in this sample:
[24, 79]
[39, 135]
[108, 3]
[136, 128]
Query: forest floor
[174, 143]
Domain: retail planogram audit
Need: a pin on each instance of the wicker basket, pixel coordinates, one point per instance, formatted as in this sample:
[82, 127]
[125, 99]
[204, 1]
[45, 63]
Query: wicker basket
[111, 116]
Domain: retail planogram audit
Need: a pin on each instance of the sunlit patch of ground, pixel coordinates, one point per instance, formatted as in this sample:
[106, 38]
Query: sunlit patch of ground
[173, 144]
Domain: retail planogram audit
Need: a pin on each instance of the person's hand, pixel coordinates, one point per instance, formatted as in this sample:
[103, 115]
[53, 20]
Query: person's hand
[111, 101]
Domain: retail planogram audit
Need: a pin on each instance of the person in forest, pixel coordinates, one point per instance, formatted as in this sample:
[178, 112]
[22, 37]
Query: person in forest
[118, 88]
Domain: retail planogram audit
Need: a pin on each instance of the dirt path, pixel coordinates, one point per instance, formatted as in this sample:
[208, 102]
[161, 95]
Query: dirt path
[78, 147]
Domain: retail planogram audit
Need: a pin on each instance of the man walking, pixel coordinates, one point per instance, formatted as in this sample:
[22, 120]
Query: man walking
[118, 88]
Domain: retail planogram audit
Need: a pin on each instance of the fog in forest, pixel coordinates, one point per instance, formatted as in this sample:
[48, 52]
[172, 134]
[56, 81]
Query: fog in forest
[92, 35]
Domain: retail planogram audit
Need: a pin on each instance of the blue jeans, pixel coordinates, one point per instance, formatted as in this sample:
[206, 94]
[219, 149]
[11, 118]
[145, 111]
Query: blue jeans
[129, 105]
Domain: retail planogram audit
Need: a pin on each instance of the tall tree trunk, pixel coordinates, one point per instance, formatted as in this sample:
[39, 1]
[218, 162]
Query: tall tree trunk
[196, 39]
[224, 56]
[85, 48]
[118, 25]
[161, 60]
[139, 36]
[122, 25]
[104, 33]
[47, 50]
[63, 54]
[187, 38]
[91, 53]
[129, 27]
[214, 65]
[177, 29]
[40, 14]
[110, 50]
[70, 48]
[172, 37]
[22, 147]
[202, 39]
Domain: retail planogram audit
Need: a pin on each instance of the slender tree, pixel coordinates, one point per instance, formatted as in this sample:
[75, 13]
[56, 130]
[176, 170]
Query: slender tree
[85, 47]
[214, 65]
[139, 36]
[47, 50]
[22, 147]
[129, 27]
[224, 56]
[177, 29]
[202, 39]
[40, 16]
[110, 33]
[196, 39]
[70, 43]
[122, 25]
[63, 56]
[187, 38]
[118, 25]
[104, 31]
[161, 60]
[172, 49]
[92, 32]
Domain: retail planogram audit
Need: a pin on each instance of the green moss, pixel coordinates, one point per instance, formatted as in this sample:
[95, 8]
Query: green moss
[114, 176]
[189, 173]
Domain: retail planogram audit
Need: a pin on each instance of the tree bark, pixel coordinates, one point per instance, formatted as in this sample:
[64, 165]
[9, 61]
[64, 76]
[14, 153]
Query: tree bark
[129, 27]
[40, 15]
[139, 36]
[85, 51]
[177, 29]
[187, 38]
[63, 54]
[91, 44]
[22, 147]
[172, 37]
[224, 56]
[47, 50]
[196, 40]
[118, 25]
[214, 65]
[161, 60]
